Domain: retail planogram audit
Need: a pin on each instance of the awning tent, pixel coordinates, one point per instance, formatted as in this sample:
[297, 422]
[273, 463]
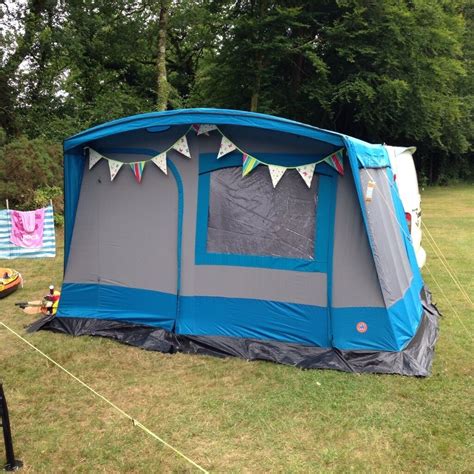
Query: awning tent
[304, 260]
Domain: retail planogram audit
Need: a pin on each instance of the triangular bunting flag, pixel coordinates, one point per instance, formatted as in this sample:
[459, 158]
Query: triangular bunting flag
[205, 128]
[307, 172]
[94, 157]
[226, 147]
[182, 147]
[160, 161]
[276, 173]
[114, 167]
[196, 127]
[137, 169]
[249, 163]
[336, 161]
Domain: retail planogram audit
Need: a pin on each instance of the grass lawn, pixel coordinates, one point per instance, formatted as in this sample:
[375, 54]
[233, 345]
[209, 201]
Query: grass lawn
[232, 415]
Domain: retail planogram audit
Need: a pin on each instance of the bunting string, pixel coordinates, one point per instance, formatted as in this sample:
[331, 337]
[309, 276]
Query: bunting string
[227, 146]
[138, 167]
[306, 171]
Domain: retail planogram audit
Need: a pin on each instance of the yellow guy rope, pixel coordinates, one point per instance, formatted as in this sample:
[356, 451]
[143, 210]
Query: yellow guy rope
[426, 266]
[126, 415]
[449, 302]
[443, 260]
[437, 251]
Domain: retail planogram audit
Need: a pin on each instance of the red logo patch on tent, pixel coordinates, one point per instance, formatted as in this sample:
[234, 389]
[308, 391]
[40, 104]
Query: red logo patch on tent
[361, 327]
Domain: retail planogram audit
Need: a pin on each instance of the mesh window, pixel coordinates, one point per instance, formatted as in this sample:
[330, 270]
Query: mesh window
[247, 216]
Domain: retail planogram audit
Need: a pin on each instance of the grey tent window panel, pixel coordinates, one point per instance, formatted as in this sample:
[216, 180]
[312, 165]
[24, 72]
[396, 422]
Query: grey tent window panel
[247, 216]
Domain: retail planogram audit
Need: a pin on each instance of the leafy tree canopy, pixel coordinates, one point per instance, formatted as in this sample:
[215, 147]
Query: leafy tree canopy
[392, 71]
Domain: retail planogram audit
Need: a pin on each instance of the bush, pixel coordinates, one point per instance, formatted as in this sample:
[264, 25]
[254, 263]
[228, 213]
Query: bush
[43, 196]
[31, 173]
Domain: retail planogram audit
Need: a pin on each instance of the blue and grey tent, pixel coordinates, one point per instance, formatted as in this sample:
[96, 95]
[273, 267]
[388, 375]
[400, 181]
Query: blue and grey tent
[310, 264]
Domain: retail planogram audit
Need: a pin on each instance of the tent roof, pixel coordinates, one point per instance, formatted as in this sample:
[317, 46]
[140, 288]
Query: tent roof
[199, 116]
[367, 154]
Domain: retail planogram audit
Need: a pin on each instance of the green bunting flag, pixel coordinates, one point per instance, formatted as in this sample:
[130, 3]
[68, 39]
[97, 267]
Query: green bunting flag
[249, 163]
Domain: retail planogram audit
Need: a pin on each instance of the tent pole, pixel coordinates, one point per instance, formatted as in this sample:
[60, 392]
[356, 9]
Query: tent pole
[12, 463]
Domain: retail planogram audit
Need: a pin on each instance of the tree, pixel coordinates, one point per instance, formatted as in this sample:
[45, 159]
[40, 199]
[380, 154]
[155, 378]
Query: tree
[162, 89]
[398, 71]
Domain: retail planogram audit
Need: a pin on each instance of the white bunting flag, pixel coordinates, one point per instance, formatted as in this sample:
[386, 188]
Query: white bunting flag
[226, 147]
[182, 147]
[94, 157]
[307, 172]
[114, 167]
[160, 161]
[276, 173]
[206, 128]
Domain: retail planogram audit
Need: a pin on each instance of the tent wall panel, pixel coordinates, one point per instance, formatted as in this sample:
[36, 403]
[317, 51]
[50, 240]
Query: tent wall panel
[257, 283]
[126, 234]
[355, 281]
[253, 319]
[235, 282]
[390, 256]
[361, 328]
[117, 303]
[74, 163]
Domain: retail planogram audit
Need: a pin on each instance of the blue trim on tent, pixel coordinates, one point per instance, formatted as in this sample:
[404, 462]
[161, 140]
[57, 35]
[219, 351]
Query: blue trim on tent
[406, 315]
[127, 150]
[179, 184]
[199, 315]
[236, 317]
[330, 257]
[387, 330]
[74, 163]
[368, 154]
[324, 222]
[118, 303]
[253, 319]
[196, 116]
[378, 335]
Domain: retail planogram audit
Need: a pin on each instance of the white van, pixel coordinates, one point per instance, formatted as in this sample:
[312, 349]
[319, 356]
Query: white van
[403, 167]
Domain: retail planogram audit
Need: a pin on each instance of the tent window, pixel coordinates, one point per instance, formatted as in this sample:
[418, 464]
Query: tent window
[247, 216]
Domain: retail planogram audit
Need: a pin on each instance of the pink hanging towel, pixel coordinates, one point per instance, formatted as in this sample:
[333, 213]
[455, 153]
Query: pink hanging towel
[27, 228]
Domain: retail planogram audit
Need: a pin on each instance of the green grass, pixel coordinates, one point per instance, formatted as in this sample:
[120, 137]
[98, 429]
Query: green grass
[230, 415]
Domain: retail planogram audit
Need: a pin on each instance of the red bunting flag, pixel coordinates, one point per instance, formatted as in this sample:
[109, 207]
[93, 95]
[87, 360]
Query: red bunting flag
[336, 161]
[137, 169]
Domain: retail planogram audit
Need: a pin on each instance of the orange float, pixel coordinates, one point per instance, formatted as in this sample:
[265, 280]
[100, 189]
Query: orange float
[10, 280]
